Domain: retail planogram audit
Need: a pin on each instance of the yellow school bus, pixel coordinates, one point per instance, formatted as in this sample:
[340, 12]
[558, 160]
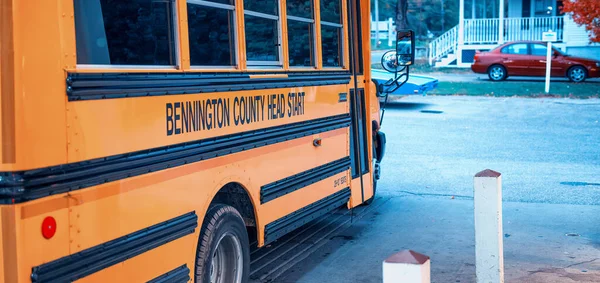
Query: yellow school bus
[149, 140]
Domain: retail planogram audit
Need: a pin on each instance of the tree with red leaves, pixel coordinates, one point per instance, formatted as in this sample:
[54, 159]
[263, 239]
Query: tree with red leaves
[585, 12]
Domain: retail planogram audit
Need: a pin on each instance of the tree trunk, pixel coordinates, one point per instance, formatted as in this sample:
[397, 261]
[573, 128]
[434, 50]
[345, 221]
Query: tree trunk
[401, 19]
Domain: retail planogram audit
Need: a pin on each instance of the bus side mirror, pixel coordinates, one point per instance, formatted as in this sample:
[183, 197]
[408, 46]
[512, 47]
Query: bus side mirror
[405, 47]
[404, 55]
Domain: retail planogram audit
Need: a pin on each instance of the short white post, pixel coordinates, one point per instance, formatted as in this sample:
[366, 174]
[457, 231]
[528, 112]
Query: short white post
[548, 65]
[407, 267]
[489, 252]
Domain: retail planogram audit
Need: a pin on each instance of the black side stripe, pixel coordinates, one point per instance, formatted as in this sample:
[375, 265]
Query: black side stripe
[178, 275]
[290, 222]
[85, 86]
[89, 261]
[16, 187]
[285, 186]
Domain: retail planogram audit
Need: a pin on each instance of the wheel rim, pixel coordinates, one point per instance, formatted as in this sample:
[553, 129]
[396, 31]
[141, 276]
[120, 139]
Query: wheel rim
[497, 73]
[577, 74]
[227, 262]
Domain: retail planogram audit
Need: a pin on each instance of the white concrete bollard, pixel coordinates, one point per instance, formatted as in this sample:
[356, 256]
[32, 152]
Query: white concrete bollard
[489, 251]
[406, 267]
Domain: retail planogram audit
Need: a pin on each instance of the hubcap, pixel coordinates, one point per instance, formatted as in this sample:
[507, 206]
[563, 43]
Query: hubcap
[497, 73]
[227, 262]
[577, 74]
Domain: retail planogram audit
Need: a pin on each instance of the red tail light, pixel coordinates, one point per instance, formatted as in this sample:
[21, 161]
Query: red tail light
[48, 227]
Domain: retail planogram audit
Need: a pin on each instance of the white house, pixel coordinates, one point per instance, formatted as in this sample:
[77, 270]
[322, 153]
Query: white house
[524, 20]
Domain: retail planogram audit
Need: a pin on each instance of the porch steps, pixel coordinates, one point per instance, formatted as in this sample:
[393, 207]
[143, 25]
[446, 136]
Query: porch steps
[448, 60]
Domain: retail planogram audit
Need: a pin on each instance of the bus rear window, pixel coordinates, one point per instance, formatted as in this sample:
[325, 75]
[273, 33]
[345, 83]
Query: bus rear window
[125, 32]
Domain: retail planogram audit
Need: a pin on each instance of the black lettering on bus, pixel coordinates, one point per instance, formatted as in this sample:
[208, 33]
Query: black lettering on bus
[289, 102]
[202, 114]
[197, 116]
[272, 105]
[217, 111]
[177, 117]
[301, 103]
[250, 112]
[236, 104]
[191, 115]
[281, 104]
[184, 118]
[169, 119]
[242, 108]
[262, 107]
[226, 117]
[209, 115]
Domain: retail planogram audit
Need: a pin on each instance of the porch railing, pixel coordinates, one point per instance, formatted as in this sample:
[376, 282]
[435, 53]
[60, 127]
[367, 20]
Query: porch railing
[486, 31]
[532, 28]
[443, 45]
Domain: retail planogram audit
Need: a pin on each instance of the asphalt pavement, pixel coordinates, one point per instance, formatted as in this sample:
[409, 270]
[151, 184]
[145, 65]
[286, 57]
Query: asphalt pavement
[548, 151]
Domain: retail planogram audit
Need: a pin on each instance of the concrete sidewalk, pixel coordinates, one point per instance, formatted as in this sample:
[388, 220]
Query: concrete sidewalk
[536, 245]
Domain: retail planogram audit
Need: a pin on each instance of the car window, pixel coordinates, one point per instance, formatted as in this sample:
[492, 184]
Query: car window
[538, 50]
[519, 48]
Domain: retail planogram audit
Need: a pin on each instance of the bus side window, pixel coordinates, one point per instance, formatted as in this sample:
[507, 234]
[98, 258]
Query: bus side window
[211, 27]
[331, 33]
[132, 32]
[261, 20]
[301, 33]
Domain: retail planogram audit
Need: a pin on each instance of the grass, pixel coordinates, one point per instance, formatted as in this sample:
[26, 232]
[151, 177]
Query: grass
[501, 89]
[518, 88]
[422, 66]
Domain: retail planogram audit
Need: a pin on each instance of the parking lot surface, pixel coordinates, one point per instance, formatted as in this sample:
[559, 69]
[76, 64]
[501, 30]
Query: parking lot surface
[548, 152]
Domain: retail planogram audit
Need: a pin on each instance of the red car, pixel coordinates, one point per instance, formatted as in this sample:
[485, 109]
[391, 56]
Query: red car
[528, 58]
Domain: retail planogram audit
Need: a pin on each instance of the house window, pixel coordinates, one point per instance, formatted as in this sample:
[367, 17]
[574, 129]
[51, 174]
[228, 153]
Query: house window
[300, 33]
[211, 29]
[261, 20]
[543, 8]
[331, 33]
[519, 49]
[132, 32]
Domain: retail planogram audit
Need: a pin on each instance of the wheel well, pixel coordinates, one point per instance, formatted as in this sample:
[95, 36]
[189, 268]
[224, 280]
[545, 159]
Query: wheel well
[235, 195]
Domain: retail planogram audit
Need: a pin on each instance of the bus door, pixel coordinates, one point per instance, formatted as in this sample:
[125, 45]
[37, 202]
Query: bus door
[358, 130]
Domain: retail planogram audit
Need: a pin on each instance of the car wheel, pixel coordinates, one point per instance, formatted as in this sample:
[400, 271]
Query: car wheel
[497, 73]
[577, 74]
[223, 253]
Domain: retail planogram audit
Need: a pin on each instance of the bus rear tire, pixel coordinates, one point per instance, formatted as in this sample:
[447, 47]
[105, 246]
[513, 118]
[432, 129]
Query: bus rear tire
[223, 253]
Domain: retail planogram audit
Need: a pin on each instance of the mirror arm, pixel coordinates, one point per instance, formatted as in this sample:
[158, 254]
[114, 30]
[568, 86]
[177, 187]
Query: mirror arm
[385, 88]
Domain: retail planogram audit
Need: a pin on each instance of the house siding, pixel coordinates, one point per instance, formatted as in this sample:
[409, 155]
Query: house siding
[577, 41]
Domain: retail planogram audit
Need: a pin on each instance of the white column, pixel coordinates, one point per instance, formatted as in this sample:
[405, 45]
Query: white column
[376, 23]
[501, 23]
[461, 31]
[407, 267]
[489, 252]
[391, 30]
